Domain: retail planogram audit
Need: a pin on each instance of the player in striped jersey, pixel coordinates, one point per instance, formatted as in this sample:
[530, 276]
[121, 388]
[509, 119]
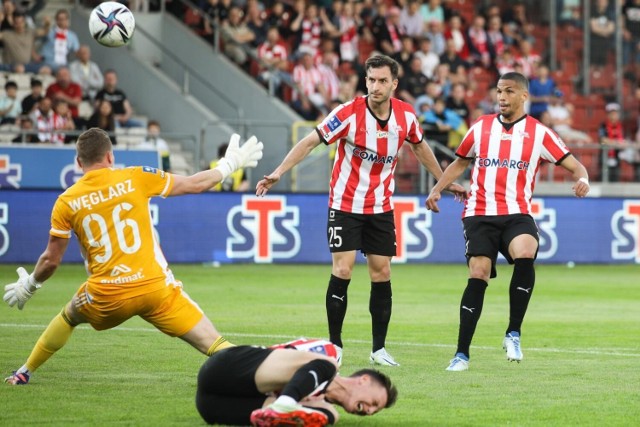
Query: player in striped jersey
[108, 211]
[369, 132]
[506, 150]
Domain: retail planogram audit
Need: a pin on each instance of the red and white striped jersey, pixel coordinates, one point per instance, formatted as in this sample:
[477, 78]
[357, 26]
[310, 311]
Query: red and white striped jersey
[270, 51]
[367, 153]
[311, 35]
[529, 63]
[44, 124]
[506, 163]
[330, 81]
[307, 79]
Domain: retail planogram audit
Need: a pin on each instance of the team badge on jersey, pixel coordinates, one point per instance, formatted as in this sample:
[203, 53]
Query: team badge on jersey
[334, 123]
[331, 125]
[154, 171]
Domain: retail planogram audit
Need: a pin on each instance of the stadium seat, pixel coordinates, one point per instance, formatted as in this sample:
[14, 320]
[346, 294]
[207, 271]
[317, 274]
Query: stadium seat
[131, 136]
[627, 172]
[23, 80]
[365, 48]
[193, 19]
[602, 81]
[407, 171]
[588, 156]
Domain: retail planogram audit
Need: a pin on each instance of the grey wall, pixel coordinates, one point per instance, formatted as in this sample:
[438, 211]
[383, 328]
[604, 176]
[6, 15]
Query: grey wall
[222, 85]
[180, 81]
[150, 92]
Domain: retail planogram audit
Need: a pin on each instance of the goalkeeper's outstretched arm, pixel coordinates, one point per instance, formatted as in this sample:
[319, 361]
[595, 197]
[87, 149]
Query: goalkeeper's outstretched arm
[50, 258]
[236, 157]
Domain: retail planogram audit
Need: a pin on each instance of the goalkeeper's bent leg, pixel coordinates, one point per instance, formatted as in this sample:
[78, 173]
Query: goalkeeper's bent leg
[52, 339]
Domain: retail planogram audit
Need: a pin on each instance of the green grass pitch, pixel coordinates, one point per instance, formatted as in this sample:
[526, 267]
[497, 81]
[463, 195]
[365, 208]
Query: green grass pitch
[581, 341]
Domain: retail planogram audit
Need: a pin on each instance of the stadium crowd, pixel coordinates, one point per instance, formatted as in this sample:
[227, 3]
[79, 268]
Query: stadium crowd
[310, 54]
[53, 90]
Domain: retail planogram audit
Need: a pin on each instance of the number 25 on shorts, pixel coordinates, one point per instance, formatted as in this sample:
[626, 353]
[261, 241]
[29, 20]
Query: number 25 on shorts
[335, 240]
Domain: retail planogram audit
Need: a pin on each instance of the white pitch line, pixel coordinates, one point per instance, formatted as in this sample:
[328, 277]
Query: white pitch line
[597, 352]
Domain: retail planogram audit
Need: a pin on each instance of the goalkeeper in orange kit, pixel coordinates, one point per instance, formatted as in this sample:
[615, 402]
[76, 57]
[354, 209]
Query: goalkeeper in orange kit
[108, 211]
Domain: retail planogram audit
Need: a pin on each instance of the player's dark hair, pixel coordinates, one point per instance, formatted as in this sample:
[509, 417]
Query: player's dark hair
[92, 145]
[384, 381]
[379, 61]
[521, 80]
[10, 85]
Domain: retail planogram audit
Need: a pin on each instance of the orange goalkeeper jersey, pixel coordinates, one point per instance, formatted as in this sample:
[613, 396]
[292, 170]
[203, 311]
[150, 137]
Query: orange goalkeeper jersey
[108, 210]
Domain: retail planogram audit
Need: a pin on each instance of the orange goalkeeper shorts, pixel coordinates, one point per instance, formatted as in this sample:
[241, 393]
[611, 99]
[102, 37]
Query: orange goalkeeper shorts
[169, 309]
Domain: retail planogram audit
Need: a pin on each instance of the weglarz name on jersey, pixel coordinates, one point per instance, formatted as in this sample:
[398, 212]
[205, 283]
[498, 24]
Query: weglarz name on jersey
[96, 197]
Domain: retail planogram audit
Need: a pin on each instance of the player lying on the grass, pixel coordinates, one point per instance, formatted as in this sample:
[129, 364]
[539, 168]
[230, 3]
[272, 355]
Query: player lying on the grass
[295, 383]
[108, 211]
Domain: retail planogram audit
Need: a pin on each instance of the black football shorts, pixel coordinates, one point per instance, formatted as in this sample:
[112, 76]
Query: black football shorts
[370, 233]
[490, 235]
[227, 392]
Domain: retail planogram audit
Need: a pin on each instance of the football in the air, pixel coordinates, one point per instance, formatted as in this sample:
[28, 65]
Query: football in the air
[111, 24]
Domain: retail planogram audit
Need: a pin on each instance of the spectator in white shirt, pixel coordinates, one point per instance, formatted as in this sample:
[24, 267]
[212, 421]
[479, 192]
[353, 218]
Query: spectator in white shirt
[428, 58]
[411, 21]
[86, 73]
[10, 107]
[561, 120]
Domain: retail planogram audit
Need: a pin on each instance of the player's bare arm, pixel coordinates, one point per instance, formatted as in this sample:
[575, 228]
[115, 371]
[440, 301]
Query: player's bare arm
[236, 157]
[50, 258]
[453, 172]
[579, 174]
[295, 156]
[425, 155]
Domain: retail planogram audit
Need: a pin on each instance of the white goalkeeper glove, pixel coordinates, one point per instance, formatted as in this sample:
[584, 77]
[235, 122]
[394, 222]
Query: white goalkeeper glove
[20, 291]
[237, 157]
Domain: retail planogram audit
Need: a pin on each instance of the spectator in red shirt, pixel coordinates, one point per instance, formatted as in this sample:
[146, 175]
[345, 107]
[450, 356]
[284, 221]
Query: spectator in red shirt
[66, 90]
[612, 135]
[455, 32]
